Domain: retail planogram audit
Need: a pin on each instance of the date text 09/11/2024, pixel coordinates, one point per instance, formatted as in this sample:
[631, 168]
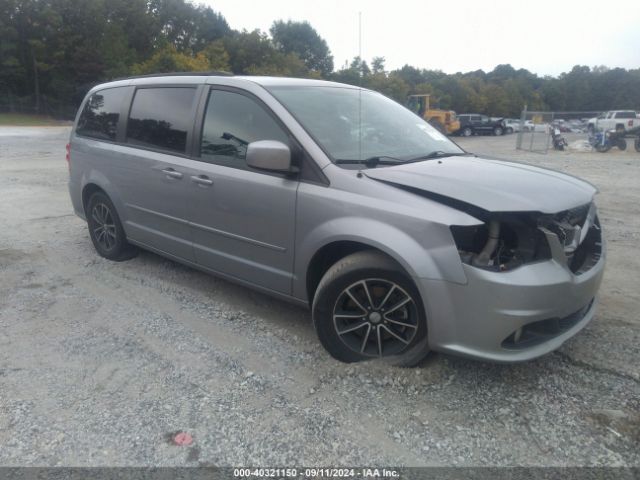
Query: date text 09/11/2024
[316, 472]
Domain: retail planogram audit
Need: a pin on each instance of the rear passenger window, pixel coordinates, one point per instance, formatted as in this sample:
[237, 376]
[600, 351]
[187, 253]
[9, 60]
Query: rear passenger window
[232, 121]
[100, 115]
[161, 117]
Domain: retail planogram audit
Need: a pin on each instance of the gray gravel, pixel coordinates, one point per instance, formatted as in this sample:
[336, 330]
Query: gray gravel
[101, 362]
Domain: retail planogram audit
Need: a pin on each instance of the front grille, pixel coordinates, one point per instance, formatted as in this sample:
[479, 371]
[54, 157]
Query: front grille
[538, 332]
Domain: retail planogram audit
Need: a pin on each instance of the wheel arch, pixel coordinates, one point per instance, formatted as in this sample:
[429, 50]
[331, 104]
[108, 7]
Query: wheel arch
[87, 191]
[95, 181]
[328, 255]
[416, 260]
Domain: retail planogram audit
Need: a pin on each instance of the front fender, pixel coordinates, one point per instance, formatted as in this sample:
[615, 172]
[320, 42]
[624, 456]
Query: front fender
[435, 257]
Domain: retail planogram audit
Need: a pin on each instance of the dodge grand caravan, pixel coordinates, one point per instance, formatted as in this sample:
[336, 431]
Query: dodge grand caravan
[338, 198]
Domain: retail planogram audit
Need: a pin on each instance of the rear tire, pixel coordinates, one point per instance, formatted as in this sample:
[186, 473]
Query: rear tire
[105, 229]
[367, 307]
[509, 130]
[622, 144]
[636, 144]
[498, 131]
[467, 131]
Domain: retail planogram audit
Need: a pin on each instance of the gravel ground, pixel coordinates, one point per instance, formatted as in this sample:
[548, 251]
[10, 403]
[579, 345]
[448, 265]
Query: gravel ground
[101, 362]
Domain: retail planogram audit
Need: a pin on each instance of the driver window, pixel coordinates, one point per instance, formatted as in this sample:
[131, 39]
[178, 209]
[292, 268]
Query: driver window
[231, 122]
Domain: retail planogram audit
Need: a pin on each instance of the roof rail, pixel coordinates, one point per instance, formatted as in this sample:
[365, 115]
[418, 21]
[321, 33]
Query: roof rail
[212, 73]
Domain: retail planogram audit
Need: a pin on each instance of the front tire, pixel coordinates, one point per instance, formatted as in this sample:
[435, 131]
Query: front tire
[367, 307]
[467, 132]
[636, 144]
[509, 130]
[622, 144]
[105, 229]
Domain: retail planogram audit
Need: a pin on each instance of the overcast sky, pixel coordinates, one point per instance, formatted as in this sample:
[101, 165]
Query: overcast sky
[545, 37]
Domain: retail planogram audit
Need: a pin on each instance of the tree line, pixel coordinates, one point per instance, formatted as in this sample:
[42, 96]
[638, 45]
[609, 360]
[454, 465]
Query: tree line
[53, 51]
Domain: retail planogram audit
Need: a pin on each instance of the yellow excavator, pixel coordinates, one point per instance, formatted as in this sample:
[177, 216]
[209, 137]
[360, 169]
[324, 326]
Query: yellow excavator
[444, 121]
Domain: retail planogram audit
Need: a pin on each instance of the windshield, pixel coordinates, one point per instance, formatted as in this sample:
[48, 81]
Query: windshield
[352, 124]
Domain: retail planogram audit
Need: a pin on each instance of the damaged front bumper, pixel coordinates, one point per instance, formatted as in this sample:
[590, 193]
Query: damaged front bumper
[519, 314]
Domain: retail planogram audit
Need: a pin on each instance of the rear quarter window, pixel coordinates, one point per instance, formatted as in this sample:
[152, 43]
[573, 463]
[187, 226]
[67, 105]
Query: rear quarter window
[101, 114]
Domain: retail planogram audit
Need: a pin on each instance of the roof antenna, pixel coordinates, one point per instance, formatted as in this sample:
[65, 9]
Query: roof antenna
[360, 74]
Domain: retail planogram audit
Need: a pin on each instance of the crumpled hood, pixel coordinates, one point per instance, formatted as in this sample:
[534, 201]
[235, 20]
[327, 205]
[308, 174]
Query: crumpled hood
[492, 185]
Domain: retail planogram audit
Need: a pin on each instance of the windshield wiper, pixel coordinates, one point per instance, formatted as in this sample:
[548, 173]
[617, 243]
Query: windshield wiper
[371, 162]
[438, 154]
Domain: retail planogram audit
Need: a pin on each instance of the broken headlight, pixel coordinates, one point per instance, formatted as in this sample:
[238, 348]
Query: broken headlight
[503, 243]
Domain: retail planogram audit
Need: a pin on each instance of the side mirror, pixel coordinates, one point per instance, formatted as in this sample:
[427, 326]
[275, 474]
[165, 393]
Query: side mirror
[269, 155]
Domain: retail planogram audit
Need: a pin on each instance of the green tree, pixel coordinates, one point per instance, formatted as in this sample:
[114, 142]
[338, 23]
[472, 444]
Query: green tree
[168, 59]
[302, 39]
[393, 86]
[253, 53]
[187, 27]
[377, 65]
[217, 56]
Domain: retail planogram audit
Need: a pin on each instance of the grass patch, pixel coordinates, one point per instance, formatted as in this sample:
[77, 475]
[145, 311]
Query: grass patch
[26, 120]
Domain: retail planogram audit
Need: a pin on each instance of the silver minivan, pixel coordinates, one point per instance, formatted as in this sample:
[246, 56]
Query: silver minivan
[338, 198]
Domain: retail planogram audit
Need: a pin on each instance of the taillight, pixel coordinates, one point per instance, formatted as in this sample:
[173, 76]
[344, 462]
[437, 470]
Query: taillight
[68, 156]
[630, 124]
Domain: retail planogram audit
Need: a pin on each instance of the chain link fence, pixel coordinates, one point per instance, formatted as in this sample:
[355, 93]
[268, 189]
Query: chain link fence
[534, 134]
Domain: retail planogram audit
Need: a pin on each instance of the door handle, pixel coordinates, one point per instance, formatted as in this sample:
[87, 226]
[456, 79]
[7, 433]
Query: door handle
[202, 180]
[171, 173]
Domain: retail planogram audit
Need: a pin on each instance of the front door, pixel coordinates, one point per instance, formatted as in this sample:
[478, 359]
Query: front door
[242, 220]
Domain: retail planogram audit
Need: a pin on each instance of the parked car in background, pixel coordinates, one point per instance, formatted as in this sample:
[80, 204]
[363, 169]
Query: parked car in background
[475, 124]
[619, 120]
[577, 126]
[511, 125]
[530, 126]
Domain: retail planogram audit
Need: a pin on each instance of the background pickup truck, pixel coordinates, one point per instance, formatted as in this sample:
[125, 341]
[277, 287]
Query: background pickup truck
[620, 120]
